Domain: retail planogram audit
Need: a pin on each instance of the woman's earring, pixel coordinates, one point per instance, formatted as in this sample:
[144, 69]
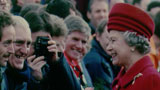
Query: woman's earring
[132, 49]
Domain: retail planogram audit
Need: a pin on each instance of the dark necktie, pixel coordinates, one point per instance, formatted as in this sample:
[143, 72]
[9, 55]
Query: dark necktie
[80, 75]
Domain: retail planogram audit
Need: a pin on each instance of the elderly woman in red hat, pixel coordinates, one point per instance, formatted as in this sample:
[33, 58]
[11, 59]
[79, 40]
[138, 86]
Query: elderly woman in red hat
[130, 30]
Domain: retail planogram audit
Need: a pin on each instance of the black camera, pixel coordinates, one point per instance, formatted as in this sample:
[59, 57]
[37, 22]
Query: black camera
[40, 47]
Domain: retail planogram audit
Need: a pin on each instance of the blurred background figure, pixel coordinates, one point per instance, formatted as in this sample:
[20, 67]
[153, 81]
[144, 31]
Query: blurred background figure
[82, 5]
[18, 4]
[30, 7]
[62, 8]
[113, 2]
[128, 1]
[142, 4]
[5, 5]
[97, 11]
[153, 8]
[98, 62]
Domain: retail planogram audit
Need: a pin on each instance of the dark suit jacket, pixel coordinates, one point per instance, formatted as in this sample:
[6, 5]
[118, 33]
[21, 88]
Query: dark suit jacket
[62, 77]
[100, 67]
[17, 79]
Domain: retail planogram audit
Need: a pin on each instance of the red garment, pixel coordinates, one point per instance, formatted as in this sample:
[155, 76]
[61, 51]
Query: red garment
[75, 67]
[124, 17]
[141, 76]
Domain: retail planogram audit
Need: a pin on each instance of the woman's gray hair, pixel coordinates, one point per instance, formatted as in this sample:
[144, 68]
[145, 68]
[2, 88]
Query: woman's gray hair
[140, 43]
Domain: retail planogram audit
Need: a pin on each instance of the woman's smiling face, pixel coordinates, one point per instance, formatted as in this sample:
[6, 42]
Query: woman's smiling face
[118, 48]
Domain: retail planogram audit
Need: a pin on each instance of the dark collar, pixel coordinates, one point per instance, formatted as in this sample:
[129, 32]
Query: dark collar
[97, 46]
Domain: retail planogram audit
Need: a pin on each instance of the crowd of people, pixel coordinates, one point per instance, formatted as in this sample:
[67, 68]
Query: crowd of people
[79, 45]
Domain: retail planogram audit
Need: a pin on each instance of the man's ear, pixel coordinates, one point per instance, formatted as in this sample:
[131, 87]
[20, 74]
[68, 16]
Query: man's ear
[97, 36]
[89, 15]
[65, 39]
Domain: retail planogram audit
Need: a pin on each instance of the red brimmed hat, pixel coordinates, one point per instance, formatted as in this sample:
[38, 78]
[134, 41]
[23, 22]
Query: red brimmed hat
[124, 17]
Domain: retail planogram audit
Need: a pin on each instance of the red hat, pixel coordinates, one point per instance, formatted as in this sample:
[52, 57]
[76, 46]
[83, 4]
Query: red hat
[125, 17]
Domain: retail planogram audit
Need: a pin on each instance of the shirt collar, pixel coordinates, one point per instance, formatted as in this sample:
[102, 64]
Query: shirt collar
[71, 61]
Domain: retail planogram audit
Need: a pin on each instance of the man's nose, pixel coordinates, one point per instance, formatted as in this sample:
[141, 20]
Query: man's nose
[11, 49]
[79, 44]
[24, 49]
[109, 49]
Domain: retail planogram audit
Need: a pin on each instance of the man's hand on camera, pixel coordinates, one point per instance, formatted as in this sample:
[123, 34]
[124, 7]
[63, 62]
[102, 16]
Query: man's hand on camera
[36, 64]
[53, 48]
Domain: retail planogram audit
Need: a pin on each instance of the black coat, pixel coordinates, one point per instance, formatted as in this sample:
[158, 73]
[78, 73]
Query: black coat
[61, 77]
[17, 79]
[100, 67]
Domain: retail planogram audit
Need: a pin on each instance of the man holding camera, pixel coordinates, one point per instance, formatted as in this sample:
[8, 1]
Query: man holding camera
[47, 28]
[69, 71]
